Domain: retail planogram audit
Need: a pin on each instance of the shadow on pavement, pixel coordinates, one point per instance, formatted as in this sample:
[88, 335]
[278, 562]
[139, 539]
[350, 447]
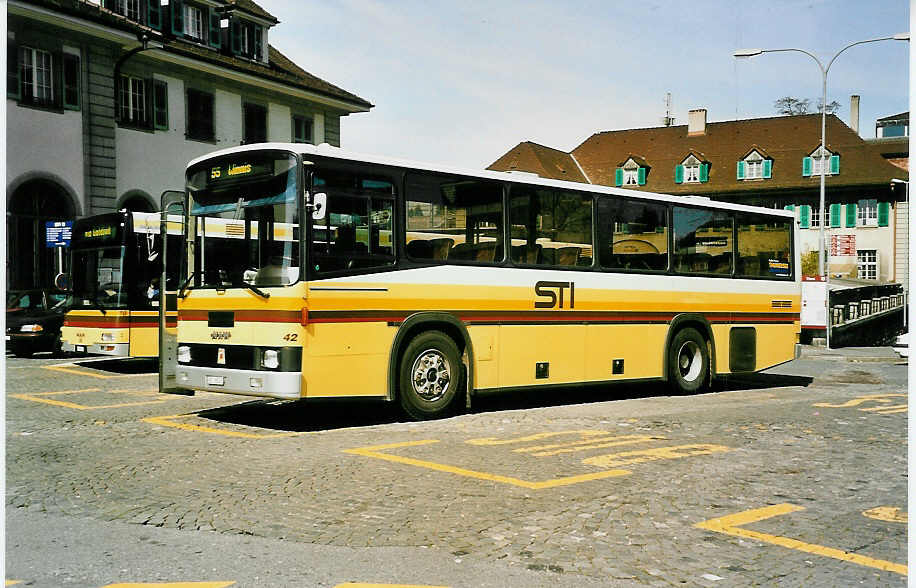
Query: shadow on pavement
[129, 365]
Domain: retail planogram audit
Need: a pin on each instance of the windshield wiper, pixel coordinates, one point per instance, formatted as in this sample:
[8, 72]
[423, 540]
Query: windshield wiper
[185, 282]
[98, 302]
[254, 289]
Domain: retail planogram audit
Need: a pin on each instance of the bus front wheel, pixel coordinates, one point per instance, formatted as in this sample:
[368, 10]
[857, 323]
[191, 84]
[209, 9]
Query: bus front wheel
[688, 362]
[431, 376]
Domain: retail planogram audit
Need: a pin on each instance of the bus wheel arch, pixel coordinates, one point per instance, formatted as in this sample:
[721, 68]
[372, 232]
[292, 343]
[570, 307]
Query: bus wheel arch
[701, 326]
[445, 324]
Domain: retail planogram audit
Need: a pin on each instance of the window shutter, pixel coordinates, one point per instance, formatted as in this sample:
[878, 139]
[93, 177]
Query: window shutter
[805, 216]
[215, 35]
[177, 17]
[850, 215]
[884, 213]
[806, 167]
[154, 14]
[767, 168]
[679, 174]
[834, 164]
[160, 105]
[618, 176]
[704, 172]
[57, 79]
[740, 170]
[835, 212]
[235, 34]
[12, 72]
[71, 77]
[641, 176]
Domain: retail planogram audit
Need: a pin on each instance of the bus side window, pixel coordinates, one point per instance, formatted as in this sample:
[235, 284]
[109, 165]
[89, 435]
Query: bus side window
[633, 234]
[763, 246]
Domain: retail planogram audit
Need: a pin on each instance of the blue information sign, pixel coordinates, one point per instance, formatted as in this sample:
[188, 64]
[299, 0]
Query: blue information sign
[58, 233]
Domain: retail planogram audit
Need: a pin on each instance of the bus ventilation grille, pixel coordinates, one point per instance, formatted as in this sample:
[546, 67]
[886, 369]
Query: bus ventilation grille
[781, 303]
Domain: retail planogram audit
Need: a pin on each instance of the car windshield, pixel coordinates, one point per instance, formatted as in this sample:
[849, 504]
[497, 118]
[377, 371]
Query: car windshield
[29, 300]
[98, 278]
[244, 222]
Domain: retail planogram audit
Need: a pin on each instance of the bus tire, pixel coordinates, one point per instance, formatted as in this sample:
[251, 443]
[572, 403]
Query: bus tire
[688, 362]
[431, 376]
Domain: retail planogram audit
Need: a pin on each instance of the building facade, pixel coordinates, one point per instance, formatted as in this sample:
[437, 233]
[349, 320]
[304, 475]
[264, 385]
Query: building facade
[771, 162]
[107, 101]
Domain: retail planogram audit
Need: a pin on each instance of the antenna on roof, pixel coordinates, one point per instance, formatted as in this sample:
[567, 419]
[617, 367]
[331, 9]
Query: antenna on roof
[668, 120]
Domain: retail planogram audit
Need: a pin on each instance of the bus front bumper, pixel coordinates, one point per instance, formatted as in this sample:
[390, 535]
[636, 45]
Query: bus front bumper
[282, 385]
[117, 349]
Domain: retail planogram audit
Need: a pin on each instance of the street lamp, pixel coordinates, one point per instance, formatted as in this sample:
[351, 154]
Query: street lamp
[747, 53]
[906, 285]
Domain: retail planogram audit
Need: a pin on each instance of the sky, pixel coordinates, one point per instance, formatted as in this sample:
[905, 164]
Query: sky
[461, 83]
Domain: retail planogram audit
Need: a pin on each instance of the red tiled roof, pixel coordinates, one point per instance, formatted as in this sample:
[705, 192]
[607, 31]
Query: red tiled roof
[544, 161]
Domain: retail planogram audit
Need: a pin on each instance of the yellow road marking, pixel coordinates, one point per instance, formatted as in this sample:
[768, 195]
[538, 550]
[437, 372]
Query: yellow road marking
[72, 368]
[168, 421]
[731, 525]
[171, 585]
[13, 582]
[879, 398]
[890, 514]
[886, 409]
[42, 398]
[585, 445]
[585, 434]
[628, 458]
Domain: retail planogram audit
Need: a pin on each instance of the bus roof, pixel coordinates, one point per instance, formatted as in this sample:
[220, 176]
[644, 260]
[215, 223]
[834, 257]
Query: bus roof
[326, 150]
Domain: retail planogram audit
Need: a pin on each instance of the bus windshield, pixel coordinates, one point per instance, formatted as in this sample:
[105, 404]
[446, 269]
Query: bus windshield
[98, 278]
[244, 222]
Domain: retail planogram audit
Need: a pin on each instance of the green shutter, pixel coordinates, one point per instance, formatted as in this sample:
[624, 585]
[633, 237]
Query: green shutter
[154, 14]
[235, 35]
[884, 213]
[835, 212]
[12, 72]
[850, 215]
[806, 166]
[740, 170]
[767, 168]
[641, 176]
[258, 40]
[679, 174]
[618, 176]
[789, 207]
[160, 105]
[805, 216]
[177, 17]
[834, 164]
[215, 40]
[704, 172]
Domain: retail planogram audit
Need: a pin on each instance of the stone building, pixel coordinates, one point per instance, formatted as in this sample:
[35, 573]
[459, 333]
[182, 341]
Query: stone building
[107, 101]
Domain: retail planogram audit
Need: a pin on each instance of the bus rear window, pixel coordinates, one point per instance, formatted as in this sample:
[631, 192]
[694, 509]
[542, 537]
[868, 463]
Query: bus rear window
[764, 246]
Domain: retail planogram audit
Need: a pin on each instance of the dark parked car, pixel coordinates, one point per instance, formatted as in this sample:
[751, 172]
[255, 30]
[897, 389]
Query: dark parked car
[33, 320]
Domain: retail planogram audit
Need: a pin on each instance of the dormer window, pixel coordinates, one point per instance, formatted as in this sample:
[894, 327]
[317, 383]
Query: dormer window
[631, 173]
[128, 8]
[247, 39]
[193, 22]
[755, 166]
[691, 171]
[821, 159]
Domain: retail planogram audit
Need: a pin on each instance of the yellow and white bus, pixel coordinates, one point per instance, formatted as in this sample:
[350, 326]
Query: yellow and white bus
[115, 274]
[313, 272]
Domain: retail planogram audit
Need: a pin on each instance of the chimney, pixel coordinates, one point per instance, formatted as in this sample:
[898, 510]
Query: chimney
[696, 122]
[854, 113]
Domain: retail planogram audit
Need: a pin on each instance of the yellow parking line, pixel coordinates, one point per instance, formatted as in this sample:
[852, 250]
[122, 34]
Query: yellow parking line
[41, 397]
[889, 514]
[72, 368]
[731, 525]
[376, 452]
[168, 421]
[13, 582]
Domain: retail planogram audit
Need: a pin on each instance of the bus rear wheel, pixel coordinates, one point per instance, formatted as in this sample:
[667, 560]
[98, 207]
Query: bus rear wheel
[430, 376]
[688, 362]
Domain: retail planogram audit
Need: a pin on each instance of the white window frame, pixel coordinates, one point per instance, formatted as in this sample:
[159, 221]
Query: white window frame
[867, 213]
[631, 173]
[133, 100]
[753, 166]
[867, 264]
[194, 22]
[691, 170]
[820, 158]
[129, 8]
[39, 66]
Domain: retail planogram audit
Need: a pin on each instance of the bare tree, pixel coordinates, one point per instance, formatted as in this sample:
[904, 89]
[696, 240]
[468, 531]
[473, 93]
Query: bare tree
[792, 106]
[832, 107]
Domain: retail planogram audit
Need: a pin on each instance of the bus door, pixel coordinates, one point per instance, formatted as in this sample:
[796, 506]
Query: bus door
[172, 214]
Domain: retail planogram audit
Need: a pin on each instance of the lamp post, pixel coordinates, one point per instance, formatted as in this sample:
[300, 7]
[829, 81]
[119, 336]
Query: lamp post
[747, 53]
[906, 285]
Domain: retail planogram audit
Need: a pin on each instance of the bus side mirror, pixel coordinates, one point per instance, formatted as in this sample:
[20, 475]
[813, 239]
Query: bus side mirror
[62, 282]
[319, 206]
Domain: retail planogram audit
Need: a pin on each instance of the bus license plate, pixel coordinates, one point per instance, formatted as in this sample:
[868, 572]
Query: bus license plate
[80, 348]
[216, 381]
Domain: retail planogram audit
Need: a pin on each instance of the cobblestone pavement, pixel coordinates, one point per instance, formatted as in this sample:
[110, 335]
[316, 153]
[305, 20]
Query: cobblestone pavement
[795, 477]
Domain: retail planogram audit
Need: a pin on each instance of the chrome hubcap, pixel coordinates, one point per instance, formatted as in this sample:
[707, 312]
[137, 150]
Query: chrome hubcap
[690, 361]
[432, 375]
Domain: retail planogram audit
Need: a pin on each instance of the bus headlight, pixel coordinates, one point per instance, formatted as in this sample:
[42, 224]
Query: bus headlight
[270, 359]
[108, 337]
[184, 354]
[31, 328]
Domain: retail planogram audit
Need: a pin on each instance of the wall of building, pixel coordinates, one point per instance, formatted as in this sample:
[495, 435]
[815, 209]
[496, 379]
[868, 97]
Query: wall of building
[880, 239]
